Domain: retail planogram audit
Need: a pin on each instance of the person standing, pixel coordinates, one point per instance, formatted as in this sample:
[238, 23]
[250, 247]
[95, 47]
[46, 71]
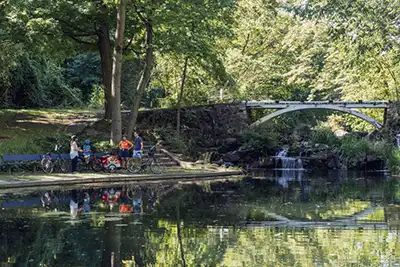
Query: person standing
[74, 153]
[138, 149]
[125, 145]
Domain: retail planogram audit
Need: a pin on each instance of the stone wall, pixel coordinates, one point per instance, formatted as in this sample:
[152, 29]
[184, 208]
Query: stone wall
[211, 124]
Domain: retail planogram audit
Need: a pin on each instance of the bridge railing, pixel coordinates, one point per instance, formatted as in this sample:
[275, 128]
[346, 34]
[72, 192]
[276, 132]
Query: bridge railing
[348, 104]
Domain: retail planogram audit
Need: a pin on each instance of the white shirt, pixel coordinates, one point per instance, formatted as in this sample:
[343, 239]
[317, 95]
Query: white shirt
[74, 150]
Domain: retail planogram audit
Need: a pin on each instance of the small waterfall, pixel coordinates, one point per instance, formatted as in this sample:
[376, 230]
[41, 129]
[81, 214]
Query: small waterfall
[299, 164]
[292, 168]
[282, 153]
[288, 162]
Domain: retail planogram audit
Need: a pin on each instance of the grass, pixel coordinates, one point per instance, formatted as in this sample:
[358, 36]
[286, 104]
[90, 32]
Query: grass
[29, 131]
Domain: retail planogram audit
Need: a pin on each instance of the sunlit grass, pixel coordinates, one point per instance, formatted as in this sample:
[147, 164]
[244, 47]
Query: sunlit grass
[378, 216]
[24, 130]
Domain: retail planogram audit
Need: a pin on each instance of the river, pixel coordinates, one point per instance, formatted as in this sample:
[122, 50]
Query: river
[281, 218]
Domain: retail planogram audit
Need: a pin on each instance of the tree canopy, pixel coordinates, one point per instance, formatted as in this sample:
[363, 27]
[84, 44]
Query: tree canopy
[232, 50]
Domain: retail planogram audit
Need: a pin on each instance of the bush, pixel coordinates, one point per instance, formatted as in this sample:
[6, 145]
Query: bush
[262, 138]
[183, 145]
[354, 150]
[393, 160]
[324, 136]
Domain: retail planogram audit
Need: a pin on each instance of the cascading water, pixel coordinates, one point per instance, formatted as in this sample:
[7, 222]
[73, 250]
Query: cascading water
[299, 164]
[288, 162]
[290, 167]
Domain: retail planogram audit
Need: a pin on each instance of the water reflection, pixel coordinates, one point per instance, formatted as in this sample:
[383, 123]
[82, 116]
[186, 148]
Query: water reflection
[338, 219]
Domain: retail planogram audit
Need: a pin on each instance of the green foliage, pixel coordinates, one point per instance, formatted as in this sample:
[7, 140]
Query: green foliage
[262, 138]
[324, 136]
[97, 96]
[37, 82]
[248, 50]
[83, 71]
[354, 150]
[394, 160]
[181, 144]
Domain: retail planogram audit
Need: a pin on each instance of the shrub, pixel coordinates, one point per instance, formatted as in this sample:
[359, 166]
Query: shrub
[262, 138]
[393, 161]
[354, 150]
[324, 136]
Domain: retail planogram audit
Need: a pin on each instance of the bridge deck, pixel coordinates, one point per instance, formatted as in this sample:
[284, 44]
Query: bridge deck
[344, 104]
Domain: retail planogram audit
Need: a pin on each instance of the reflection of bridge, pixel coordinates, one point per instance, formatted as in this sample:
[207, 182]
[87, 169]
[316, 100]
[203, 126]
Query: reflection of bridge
[342, 106]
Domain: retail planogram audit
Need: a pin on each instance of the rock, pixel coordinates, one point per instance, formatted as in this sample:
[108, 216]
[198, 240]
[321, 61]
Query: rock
[206, 129]
[91, 132]
[207, 143]
[373, 135]
[340, 133]
[230, 141]
[333, 163]
[231, 157]
[371, 158]
[255, 165]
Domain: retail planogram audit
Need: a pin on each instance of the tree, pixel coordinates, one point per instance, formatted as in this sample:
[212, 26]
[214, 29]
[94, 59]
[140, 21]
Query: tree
[178, 112]
[146, 72]
[116, 127]
[85, 24]
[183, 29]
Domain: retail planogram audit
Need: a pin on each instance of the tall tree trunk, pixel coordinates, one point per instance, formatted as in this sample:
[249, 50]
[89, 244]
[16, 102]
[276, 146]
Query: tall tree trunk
[178, 114]
[116, 125]
[104, 45]
[144, 78]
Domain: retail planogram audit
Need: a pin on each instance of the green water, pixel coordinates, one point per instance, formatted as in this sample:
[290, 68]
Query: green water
[275, 219]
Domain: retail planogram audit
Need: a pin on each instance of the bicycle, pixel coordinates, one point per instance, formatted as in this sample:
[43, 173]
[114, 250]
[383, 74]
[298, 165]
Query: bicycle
[94, 163]
[48, 165]
[135, 165]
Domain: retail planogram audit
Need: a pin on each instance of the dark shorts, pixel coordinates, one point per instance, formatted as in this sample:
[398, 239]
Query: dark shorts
[125, 153]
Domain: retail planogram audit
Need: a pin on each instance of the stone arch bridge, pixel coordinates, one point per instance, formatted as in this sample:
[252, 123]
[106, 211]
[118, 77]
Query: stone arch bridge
[283, 107]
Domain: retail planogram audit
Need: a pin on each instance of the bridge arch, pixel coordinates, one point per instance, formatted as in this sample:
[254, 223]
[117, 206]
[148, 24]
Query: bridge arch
[289, 109]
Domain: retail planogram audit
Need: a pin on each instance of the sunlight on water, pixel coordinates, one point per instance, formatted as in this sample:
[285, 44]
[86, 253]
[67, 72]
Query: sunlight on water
[282, 218]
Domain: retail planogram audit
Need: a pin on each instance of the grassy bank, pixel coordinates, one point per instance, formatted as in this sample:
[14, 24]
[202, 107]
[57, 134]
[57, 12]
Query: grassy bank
[29, 131]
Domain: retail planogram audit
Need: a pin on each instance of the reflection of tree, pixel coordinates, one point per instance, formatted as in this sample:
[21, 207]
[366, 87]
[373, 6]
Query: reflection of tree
[273, 247]
[178, 229]
[256, 200]
[176, 234]
[112, 244]
[46, 242]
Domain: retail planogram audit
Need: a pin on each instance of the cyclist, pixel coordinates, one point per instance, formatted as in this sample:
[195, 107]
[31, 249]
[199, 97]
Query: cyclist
[125, 145]
[87, 151]
[74, 152]
[138, 150]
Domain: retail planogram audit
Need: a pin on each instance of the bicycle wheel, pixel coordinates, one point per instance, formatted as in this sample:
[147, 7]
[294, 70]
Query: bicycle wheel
[64, 165]
[112, 168]
[97, 165]
[134, 165]
[157, 167]
[47, 165]
[80, 166]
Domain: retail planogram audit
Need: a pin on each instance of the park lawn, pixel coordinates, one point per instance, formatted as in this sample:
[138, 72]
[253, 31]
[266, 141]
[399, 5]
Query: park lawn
[29, 131]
